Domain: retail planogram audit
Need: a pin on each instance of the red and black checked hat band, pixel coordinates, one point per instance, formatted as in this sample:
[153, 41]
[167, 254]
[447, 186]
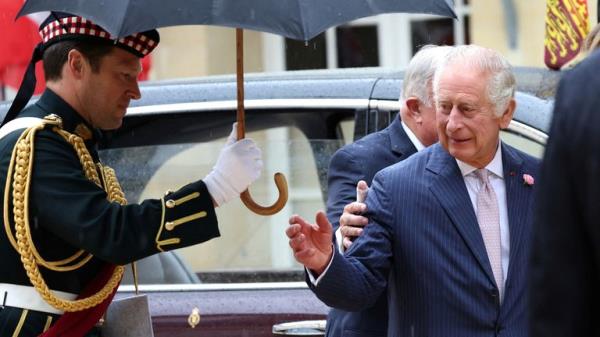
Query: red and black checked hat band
[76, 27]
[61, 27]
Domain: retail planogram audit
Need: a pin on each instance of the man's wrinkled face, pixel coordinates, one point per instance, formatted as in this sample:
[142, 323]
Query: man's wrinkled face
[106, 94]
[467, 124]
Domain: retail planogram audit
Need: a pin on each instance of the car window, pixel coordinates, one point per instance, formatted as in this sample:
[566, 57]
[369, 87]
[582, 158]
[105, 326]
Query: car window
[522, 143]
[525, 138]
[347, 128]
[248, 241]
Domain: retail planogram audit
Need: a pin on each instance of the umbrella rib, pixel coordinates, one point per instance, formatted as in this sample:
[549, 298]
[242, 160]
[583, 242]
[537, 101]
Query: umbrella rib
[121, 20]
[305, 31]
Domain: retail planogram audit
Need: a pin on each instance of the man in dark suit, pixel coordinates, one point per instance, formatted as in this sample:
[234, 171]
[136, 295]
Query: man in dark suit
[565, 269]
[451, 223]
[67, 227]
[413, 130]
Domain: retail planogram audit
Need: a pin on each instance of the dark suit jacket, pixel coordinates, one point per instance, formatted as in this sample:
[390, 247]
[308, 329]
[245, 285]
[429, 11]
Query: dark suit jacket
[425, 231]
[353, 162]
[565, 275]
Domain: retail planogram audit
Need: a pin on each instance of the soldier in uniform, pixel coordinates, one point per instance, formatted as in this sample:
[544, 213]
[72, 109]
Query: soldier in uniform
[67, 228]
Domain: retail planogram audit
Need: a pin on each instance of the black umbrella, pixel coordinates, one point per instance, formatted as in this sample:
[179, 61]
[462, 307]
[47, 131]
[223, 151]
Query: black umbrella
[296, 19]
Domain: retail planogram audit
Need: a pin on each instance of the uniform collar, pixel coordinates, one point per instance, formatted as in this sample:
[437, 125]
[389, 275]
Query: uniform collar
[72, 121]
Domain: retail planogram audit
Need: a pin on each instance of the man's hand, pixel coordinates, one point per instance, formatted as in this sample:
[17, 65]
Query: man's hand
[238, 165]
[351, 221]
[311, 243]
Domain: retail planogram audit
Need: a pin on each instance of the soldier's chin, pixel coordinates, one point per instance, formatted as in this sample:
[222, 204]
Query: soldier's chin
[112, 126]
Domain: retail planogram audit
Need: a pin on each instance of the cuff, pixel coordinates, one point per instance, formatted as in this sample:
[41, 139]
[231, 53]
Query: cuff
[311, 276]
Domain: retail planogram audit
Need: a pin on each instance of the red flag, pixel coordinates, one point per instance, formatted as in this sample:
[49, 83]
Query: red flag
[17, 41]
[146, 66]
[567, 25]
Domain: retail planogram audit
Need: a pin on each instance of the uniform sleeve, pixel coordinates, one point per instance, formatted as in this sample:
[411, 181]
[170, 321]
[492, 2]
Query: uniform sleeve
[68, 205]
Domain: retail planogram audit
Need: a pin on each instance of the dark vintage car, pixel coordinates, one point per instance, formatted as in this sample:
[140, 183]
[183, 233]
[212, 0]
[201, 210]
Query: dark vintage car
[246, 283]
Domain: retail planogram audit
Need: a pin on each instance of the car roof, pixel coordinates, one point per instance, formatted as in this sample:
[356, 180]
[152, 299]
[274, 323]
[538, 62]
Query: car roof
[326, 83]
[536, 88]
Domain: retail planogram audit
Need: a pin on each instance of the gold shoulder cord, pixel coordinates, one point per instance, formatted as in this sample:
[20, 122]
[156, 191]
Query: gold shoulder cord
[19, 170]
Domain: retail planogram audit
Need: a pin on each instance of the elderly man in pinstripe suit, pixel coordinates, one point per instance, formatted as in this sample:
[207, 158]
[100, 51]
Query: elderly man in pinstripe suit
[452, 224]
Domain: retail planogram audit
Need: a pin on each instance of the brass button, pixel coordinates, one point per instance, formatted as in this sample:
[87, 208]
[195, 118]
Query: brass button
[170, 203]
[170, 225]
[167, 192]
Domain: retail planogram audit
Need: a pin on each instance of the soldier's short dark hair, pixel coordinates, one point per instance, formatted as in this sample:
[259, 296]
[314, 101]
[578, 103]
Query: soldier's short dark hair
[55, 56]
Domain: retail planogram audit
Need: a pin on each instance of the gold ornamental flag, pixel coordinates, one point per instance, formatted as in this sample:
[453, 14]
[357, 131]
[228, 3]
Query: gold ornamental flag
[567, 24]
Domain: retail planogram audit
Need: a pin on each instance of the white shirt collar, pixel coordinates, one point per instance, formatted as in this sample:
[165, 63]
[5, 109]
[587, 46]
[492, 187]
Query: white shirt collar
[495, 166]
[416, 142]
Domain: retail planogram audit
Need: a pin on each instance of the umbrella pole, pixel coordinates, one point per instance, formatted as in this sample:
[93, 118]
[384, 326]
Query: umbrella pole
[279, 178]
[239, 52]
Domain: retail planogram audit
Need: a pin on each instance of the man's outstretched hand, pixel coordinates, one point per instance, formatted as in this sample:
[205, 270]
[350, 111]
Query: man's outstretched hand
[311, 243]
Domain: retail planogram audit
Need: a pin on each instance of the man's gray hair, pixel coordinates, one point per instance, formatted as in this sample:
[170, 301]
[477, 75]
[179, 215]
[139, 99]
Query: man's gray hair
[501, 84]
[418, 76]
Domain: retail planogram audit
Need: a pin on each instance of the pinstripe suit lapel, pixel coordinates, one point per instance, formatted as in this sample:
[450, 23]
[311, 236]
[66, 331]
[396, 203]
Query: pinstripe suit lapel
[449, 188]
[518, 203]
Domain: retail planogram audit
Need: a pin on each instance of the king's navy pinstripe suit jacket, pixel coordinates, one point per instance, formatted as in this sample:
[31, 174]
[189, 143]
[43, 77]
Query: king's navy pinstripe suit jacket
[425, 242]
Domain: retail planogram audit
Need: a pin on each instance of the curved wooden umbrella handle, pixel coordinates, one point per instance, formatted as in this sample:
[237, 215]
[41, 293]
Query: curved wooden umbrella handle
[241, 130]
[281, 184]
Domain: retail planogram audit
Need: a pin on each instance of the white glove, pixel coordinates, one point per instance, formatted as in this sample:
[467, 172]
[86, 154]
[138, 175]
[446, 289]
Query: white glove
[238, 165]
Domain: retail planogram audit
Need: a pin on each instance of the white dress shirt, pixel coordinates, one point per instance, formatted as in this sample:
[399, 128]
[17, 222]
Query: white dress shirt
[497, 180]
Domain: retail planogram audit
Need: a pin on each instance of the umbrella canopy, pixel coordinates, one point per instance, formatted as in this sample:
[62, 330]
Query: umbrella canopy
[296, 19]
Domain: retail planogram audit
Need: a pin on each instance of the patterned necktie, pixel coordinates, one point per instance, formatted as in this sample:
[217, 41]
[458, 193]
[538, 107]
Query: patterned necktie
[488, 216]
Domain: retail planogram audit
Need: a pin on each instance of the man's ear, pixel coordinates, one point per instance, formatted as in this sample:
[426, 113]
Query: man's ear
[76, 63]
[414, 104]
[507, 115]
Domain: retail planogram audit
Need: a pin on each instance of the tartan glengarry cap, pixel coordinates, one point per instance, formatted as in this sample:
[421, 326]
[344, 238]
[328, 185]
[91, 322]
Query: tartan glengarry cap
[62, 26]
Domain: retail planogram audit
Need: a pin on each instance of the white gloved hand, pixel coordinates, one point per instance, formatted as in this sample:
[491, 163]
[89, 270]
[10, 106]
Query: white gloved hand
[239, 164]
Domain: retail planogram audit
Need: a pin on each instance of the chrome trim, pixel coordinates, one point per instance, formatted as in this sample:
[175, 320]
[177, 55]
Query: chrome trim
[300, 328]
[528, 132]
[337, 103]
[385, 104]
[150, 288]
[300, 103]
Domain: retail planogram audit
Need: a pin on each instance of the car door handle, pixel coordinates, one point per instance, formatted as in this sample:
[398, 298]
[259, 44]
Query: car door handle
[301, 328]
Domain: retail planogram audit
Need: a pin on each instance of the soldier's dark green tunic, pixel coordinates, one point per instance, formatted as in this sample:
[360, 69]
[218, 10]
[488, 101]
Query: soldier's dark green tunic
[68, 212]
